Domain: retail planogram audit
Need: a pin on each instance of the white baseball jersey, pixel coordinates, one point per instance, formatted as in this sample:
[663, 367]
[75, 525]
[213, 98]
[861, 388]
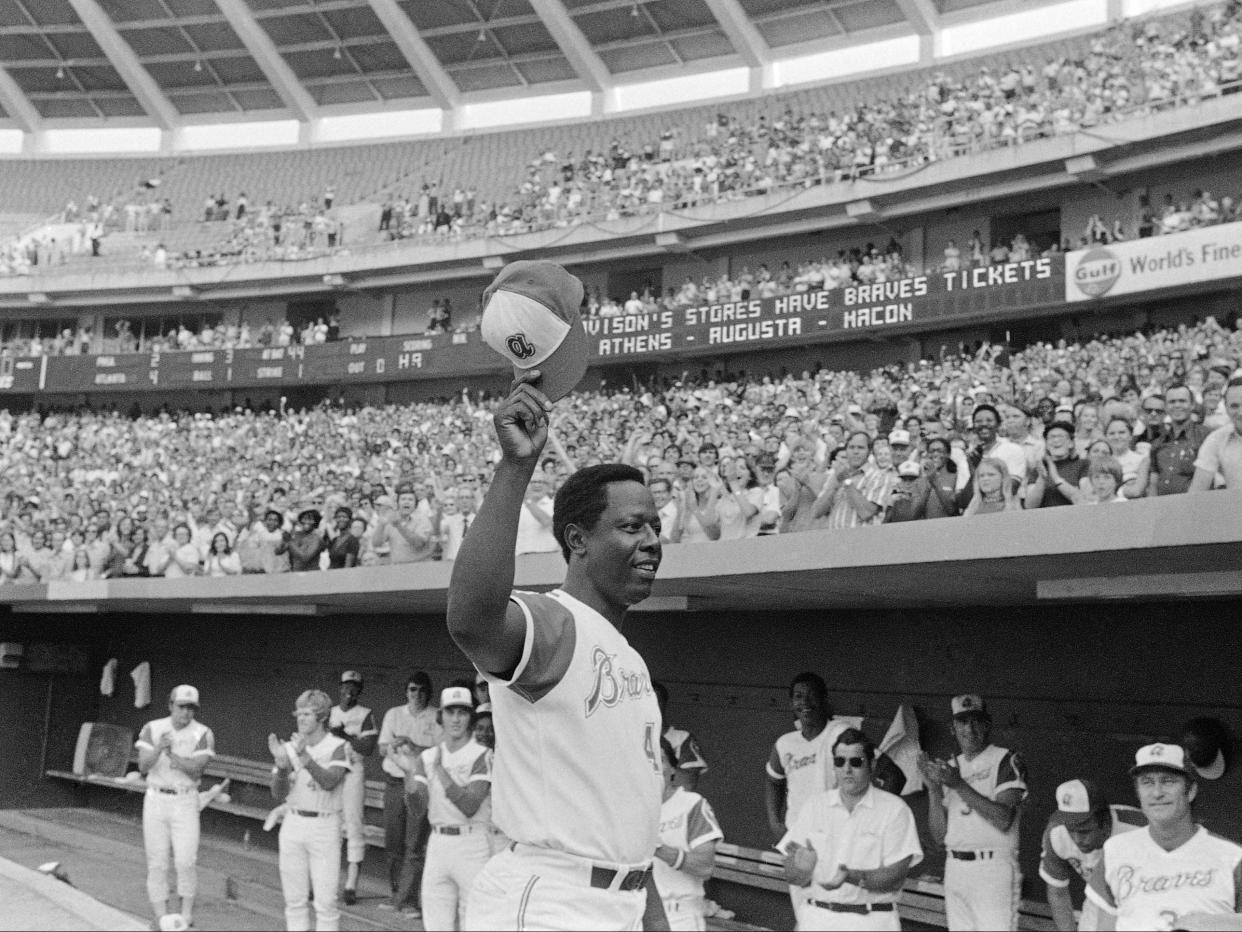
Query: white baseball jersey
[805, 767]
[1147, 887]
[304, 792]
[194, 740]
[686, 821]
[470, 763]
[359, 723]
[578, 763]
[993, 771]
[1061, 857]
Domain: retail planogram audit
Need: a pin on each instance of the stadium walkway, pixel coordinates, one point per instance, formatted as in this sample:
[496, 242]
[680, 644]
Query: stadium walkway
[101, 852]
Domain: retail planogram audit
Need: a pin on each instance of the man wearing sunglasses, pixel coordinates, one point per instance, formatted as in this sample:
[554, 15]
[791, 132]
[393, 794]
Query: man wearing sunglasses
[851, 848]
[412, 729]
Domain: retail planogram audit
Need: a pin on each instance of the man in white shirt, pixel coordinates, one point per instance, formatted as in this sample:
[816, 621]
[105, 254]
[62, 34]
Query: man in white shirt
[411, 729]
[851, 848]
[534, 534]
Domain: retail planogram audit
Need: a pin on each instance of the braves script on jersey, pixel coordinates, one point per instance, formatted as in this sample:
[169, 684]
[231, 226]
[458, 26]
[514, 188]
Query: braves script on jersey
[1061, 857]
[686, 821]
[1151, 888]
[580, 697]
[804, 766]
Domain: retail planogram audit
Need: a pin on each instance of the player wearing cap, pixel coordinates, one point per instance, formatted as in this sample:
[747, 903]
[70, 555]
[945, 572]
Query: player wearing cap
[355, 725]
[1174, 874]
[1073, 844]
[309, 779]
[577, 781]
[686, 855]
[451, 784]
[973, 805]
[850, 848]
[688, 761]
[172, 754]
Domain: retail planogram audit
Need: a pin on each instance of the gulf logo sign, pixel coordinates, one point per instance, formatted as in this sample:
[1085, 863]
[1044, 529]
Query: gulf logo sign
[1097, 272]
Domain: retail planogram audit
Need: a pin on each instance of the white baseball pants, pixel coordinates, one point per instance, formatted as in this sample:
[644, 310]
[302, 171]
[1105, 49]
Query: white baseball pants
[310, 858]
[538, 890]
[982, 894]
[353, 805]
[170, 823]
[453, 861]
[684, 913]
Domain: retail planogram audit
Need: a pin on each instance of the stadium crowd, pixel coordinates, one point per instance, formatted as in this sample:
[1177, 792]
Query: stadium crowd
[94, 494]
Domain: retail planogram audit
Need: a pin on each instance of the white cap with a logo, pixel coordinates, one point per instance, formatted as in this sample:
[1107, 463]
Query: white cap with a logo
[456, 696]
[1164, 757]
[184, 695]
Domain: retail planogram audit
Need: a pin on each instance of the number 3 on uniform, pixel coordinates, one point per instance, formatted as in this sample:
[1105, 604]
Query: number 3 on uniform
[649, 745]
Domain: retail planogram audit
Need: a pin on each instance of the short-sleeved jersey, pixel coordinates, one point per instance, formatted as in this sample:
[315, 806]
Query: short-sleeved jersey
[470, 763]
[805, 767]
[194, 740]
[686, 821]
[359, 723]
[304, 792]
[993, 771]
[1060, 857]
[1146, 887]
[685, 749]
[879, 832]
[578, 763]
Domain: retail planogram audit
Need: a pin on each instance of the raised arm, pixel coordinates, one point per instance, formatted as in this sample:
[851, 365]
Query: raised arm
[489, 629]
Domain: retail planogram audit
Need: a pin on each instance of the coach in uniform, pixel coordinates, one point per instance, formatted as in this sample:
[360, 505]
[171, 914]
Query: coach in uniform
[355, 725]
[452, 782]
[973, 805]
[1174, 874]
[686, 856]
[578, 773]
[309, 778]
[851, 847]
[172, 754]
[1073, 844]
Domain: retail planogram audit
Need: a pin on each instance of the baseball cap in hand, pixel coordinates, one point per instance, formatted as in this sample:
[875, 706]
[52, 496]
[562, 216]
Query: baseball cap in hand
[530, 317]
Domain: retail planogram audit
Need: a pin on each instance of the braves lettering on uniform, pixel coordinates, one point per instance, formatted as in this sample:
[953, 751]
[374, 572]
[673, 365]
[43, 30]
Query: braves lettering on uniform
[1147, 887]
[805, 767]
[580, 691]
[686, 821]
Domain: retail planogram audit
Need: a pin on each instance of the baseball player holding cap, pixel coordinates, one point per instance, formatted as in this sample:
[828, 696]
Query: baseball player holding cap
[689, 834]
[172, 754]
[578, 773]
[1073, 844]
[973, 804]
[1174, 874]
[309, 779]
[451, 784]
[355, 725]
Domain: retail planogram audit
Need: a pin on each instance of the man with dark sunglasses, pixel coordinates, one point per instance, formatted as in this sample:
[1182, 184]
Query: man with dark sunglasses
[411, 728]
[851, 847]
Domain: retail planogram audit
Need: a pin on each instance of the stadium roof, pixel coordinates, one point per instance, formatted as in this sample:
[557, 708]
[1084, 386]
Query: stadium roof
[169, 62]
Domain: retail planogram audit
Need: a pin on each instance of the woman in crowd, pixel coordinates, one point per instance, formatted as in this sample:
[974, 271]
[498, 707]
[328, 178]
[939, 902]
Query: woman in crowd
[135, 562]
[305, 544]
[11, 562]
[1134, 465]
[700, 511]
[739, 502]
[938, 484]
[1086, 426]
[259, 546]
[343, 548]
[221, 560]
[993, 490]
[37, 557]
[60, 559]
[81, 571]
[800, 485]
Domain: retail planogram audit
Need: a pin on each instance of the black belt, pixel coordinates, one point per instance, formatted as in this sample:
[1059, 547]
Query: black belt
[447, 829]
[602, 879]
[167, 791]
[392, 779]
[860, 909]
[972, 855]
[312, 813]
